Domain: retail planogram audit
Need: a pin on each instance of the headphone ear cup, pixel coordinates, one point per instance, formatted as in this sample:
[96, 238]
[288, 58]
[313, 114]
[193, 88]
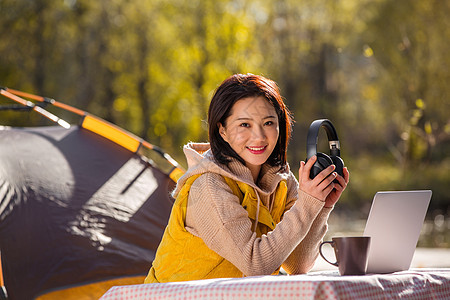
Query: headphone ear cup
[339, 163]
[322, 162]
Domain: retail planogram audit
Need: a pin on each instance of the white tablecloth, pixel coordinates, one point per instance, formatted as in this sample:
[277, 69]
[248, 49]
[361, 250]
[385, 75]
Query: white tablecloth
[412, 284]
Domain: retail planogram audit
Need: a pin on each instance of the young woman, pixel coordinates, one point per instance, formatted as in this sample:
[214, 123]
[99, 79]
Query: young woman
[239, 210]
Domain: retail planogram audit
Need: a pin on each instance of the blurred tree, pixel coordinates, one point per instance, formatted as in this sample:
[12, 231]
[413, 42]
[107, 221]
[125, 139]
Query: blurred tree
[409, 74]
[303, 43]
[416, 68]
[377, 68]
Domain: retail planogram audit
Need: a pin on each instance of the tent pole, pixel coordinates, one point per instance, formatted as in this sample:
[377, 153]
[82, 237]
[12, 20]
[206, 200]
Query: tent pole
[3, 293]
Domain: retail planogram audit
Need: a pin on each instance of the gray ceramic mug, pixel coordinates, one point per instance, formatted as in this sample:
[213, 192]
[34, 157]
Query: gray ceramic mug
[351, 254]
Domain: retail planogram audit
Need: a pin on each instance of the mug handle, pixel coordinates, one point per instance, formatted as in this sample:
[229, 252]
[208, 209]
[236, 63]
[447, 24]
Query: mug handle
[323, 256]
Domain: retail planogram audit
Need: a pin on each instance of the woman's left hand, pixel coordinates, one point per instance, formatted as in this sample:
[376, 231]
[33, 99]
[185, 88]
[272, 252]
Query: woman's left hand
[334, 195]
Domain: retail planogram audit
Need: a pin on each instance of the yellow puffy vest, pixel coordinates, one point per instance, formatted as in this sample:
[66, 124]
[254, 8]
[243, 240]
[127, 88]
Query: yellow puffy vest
[181, 256]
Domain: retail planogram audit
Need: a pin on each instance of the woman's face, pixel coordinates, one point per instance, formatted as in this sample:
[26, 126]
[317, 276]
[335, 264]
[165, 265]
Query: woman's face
[252, 130]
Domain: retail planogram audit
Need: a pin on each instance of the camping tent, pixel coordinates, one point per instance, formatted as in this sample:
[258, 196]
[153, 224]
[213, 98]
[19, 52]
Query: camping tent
[79, 213]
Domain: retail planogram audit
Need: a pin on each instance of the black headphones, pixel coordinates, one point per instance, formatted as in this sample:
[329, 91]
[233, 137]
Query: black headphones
[323, 160]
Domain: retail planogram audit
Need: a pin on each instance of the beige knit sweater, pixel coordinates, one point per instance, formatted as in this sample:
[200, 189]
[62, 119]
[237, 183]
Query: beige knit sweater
[215, 215]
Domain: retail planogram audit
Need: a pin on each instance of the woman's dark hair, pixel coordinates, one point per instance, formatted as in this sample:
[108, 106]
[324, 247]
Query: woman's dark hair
[241, 86]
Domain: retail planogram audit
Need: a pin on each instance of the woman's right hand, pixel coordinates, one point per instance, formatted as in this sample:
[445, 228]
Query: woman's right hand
[322, 185]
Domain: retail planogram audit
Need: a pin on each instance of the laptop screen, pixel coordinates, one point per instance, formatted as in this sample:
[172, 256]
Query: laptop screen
[394, 224]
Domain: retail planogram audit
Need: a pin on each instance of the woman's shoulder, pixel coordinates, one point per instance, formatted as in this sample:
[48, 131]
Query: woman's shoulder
[212, 192]
[209, 180]
[213, 186]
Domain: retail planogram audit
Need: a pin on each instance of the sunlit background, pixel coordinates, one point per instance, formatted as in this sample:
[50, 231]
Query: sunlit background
[378, 69]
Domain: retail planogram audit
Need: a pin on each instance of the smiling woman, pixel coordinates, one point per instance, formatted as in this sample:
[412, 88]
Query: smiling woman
[251, 130]
[227, 96]
[239, 210]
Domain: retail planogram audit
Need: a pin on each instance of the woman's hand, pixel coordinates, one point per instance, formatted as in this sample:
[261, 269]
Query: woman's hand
[322, 186]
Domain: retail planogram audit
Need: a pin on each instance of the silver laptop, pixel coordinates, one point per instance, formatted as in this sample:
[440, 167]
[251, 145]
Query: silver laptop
[394, 224]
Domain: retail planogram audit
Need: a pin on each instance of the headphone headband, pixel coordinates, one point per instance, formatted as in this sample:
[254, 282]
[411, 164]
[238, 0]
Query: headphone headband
[313, 134]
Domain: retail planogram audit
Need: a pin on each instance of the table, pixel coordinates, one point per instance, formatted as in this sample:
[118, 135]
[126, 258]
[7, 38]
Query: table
[411, 284]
